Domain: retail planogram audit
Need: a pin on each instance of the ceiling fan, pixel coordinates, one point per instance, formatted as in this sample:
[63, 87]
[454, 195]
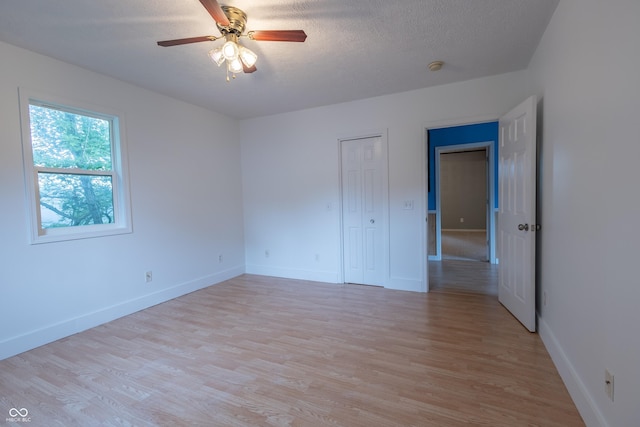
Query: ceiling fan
[231, 22]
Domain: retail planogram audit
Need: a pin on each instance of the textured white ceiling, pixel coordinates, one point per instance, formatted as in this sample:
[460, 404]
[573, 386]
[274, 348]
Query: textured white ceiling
[355, 48]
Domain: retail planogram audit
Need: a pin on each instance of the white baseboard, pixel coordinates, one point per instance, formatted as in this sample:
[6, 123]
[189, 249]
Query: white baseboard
[413, 285]
[465, 230]
[292, 273]
[65, 328]
[591, 414]
[328, 277]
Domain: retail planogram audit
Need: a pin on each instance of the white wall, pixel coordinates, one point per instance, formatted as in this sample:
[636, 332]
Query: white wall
[290, 169]
[185, 189]
[463, 190]
[586, 70]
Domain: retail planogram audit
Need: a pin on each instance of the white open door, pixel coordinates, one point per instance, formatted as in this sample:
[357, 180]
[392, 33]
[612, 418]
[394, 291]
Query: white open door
[517, 213]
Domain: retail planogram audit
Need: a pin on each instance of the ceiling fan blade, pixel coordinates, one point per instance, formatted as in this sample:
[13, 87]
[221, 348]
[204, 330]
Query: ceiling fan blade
[248, 70]
[216, 12]
[278, 35]
[176, 42]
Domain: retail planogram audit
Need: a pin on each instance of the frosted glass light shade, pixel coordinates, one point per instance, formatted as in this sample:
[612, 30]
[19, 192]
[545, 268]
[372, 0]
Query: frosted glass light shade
[216, 56]
[230, 51]
[235, 66]
[248, 57]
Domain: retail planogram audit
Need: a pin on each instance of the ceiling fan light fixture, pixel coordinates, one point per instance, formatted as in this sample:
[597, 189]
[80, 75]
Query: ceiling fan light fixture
[216, 56]
[230, 50]
[231, 22]
[248, 57]
[235, 66]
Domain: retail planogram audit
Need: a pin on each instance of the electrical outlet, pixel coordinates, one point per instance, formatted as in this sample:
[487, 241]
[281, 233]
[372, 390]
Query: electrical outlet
[608, 384]
[148, 276]
[220, 258]
[461, 219]
[266, 253]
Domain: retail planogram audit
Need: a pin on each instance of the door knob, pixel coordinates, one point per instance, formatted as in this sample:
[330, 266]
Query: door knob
[372, 220]
[524, 227]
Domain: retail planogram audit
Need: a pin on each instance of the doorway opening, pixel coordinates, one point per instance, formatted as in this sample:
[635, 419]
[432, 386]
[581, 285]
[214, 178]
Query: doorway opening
[462, 216]
[465, 220]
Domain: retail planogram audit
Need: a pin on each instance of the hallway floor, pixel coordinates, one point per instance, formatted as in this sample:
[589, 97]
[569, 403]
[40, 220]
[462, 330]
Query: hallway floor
[460, 276]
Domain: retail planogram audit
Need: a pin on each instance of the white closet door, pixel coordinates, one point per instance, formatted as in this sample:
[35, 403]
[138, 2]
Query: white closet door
[363, 217]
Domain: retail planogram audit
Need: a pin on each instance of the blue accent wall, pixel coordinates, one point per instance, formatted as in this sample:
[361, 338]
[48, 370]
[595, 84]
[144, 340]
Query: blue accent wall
[468, 134]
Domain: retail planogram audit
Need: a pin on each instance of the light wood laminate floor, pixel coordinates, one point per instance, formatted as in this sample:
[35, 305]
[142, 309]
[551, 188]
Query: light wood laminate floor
[464, 245]
[259, 351]
[459, 276]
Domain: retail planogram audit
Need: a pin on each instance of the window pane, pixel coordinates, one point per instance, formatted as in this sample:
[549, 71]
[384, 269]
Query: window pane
[72, 200]
[61, 139]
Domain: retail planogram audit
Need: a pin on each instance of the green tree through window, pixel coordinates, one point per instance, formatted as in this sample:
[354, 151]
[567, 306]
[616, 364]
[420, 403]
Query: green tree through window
[69, 152]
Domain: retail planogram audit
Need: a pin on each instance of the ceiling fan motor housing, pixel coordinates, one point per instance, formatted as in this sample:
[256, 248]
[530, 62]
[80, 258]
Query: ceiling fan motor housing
[237, 21]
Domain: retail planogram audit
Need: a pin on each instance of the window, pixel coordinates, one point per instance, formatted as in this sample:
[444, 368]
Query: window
[74, 171]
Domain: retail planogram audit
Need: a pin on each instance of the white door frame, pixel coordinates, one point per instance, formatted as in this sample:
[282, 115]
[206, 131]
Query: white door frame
[385, 200]
[490, 182]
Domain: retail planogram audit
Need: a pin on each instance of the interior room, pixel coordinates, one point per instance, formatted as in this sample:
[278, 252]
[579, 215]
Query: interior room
[218, 291]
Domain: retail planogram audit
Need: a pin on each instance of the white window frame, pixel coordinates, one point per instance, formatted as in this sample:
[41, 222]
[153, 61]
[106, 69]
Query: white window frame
[118, 173]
